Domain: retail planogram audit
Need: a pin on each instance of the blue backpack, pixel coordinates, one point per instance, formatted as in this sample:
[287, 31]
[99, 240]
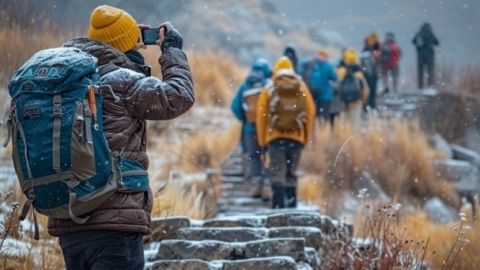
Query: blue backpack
[60, 153]
[312, 75]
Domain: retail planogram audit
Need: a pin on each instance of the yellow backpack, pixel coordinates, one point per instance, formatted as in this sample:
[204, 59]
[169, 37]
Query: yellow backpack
[287, 103]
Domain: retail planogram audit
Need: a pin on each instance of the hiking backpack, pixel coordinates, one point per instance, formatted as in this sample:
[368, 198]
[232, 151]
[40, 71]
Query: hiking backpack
[350, 88]
[386, 53]
[60, 152]
[287, 102]
[250, 99]
[311, 75]
[368, 64]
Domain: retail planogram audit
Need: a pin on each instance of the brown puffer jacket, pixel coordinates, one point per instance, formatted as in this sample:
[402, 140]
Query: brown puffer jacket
[134, 99]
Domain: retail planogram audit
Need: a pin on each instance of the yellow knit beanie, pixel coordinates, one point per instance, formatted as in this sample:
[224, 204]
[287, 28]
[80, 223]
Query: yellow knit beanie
[283, 63]
[350, 57]
[114, 27]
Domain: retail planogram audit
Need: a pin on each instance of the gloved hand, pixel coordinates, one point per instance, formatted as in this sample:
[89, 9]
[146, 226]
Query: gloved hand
[169, 37]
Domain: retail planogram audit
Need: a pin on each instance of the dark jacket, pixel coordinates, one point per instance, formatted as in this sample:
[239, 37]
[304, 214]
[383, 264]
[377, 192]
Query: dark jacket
[133, 99]
[292, 55]
[425, 40]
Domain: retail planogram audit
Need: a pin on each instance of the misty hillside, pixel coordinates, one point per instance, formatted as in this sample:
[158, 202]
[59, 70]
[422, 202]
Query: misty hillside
[251, 28]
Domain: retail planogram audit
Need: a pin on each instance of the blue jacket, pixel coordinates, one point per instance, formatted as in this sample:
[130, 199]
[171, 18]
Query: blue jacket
[237, 107]
[322, 74]
[260, 73]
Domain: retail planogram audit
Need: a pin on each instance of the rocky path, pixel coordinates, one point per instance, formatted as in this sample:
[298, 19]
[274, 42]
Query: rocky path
[246, 234]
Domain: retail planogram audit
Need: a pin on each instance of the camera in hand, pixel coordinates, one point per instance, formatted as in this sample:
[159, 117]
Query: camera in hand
[150, 35]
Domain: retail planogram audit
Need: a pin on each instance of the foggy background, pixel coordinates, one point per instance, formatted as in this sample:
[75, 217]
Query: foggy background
[261, 28]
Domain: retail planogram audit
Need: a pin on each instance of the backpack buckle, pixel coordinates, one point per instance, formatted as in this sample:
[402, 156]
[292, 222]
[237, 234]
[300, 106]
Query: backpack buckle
[57, 106]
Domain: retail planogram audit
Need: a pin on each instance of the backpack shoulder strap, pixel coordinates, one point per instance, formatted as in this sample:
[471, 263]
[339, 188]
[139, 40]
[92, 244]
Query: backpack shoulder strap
[308, 70]
[107, 68]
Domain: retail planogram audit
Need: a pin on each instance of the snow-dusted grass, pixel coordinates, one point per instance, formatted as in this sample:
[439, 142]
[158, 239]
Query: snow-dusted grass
[445, 239]
[387, 238]
[395, 152]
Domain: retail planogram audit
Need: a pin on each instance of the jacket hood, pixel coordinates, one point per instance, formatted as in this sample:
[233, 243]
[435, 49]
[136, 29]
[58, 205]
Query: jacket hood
[261, 65]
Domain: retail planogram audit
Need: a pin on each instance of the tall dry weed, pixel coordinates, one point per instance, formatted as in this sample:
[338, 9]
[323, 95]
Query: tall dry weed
[442, 241]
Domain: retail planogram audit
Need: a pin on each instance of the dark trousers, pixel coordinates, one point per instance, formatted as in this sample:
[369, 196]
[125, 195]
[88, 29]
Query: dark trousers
[323, 109]
[255, 167]
[284, 158]
[116, 250]
[372, 84]
[425, 64]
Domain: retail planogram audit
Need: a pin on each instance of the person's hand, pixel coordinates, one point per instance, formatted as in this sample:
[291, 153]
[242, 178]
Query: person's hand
[140, 44]
[169, 37]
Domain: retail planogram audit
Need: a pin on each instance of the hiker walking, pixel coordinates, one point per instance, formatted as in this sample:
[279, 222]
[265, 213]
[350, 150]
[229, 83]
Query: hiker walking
[353, 89]
[369, 64]
[372, 43]
[244, 107]
[318, 74]
[291, 54]
[390, 55]
[285, 117]
[109, 237]
[425, 41]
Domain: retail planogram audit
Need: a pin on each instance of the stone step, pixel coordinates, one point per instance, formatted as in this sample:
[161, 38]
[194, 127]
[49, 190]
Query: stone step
[235, 234]
[236, 193]
[235, 210]
[183, 265]
[209, 250]
[166, 228]
[234, 179]
[266, 210]
[313, 236]
[233, 170]
[235, 187]
[242, 201]
[236, 221]
[269, 263]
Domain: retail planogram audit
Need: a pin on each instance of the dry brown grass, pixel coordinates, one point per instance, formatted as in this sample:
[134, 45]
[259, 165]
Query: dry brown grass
[23, 32]
[215, 76]
[442, 239]
[416, 228]
[395, 152]
[175, 200]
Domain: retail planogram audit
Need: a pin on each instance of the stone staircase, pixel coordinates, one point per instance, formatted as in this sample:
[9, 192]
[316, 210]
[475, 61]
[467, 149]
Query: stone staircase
[404, 104]
[245, 234]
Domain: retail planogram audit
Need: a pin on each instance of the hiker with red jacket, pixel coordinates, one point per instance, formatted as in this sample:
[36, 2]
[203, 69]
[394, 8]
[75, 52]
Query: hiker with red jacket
[111, 238]
[285, 117]
[244, 107]
[390, 55]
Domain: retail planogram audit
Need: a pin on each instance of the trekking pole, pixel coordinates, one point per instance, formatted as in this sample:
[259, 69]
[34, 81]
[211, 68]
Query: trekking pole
[93, 106]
